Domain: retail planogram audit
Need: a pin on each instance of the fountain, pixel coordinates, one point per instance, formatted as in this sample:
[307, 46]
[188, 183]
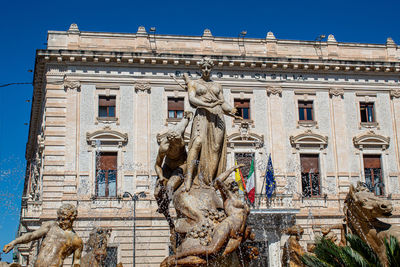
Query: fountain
[211, 225]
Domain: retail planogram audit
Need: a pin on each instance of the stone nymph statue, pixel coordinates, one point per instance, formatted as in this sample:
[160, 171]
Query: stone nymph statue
[210, 228]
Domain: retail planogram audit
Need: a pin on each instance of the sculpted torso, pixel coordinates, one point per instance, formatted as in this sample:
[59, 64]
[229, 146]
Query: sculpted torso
[175, 154]
[207, 92]
[56, 246]
[237, 213]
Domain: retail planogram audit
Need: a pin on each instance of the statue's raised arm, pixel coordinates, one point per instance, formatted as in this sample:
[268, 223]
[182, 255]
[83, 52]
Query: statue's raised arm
[60, 240]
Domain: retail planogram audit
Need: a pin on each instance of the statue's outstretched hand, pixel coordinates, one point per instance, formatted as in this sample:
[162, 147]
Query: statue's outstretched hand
[7, 248]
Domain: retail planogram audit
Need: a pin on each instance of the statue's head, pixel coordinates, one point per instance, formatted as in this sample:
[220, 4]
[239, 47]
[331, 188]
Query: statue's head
[66, 216]
[173, 136]
[206, 65]
[360, 201]
[233, 186]
[295, 230]
[97, 243]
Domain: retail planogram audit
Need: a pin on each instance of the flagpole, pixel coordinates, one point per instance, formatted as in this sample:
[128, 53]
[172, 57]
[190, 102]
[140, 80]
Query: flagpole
[265, 178]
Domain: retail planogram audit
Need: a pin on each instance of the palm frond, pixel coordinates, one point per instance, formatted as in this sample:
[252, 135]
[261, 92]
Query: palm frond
[355, 258]
[313, 261]
[392, 251]
[362, 248]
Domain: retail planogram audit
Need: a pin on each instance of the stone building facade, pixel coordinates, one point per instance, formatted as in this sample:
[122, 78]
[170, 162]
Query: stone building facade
[327, 112]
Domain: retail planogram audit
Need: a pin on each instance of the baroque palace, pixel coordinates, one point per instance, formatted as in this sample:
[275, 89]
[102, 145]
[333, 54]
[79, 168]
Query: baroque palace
[327, 112]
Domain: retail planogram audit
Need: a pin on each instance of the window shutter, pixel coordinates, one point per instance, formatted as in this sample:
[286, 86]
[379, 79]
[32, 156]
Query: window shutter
[372, 161]
[175, 103]
[309, 163]
[107, 161]
[245, 103]
[106, 101]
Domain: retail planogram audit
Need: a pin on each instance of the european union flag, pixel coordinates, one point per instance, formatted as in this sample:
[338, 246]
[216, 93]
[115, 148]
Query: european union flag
[270, 178]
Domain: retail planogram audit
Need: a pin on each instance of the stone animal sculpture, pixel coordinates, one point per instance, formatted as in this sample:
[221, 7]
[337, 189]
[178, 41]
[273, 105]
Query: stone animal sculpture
[60, 240]
[96, 248]
[361, 210]
[292, 250]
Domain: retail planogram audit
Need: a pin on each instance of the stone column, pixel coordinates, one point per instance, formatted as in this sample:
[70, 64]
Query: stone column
[395, 105]
[142, 126]
[72, 88]
[339, 133]
[277, 134]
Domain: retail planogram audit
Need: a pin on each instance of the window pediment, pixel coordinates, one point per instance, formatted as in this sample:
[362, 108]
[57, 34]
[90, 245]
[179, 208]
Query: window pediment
[371, 140]
[245, 137]
[309, 139]
[107, 136]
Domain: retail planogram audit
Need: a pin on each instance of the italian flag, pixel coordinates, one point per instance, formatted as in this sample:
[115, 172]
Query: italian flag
[250, 187]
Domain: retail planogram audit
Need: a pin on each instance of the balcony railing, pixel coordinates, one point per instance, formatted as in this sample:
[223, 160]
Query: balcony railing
[277, 201]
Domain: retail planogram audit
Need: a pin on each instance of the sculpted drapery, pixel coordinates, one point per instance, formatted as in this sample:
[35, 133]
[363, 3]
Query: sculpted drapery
[207, 147]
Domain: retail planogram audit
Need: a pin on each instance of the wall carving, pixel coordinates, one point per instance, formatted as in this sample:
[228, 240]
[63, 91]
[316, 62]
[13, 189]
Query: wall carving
[142, 86]
[338, 92]
[274, 90]
[71, 84]
[395, 93]
[244, 136]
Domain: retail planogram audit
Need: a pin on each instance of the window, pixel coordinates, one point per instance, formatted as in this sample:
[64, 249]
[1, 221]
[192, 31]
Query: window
[175, 108]
[244, 158]
[373, 174]
[243, 108]
[306, 111]
[367, 112]
[310, 175]
[106, 174]
[106, 106]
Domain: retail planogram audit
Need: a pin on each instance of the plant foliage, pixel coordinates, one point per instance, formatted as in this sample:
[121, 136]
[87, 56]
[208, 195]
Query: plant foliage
[356, 254]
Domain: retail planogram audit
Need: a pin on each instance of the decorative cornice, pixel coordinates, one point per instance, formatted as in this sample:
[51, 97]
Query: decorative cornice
[142, 86]
[274, 90]
[370, 140]
[395, 93]
[278, 63]
[339, 92]
[307, 139]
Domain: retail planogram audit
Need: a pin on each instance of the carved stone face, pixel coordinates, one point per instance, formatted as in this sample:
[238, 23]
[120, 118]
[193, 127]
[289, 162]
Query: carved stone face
[206, 70]
[65, 222]
[370, 205]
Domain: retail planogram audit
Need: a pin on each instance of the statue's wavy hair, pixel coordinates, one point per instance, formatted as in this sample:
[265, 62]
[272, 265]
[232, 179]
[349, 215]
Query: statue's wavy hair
[67, 210]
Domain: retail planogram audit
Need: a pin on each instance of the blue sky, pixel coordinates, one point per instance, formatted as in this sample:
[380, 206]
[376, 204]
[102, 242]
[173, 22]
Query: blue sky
[23, 27]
